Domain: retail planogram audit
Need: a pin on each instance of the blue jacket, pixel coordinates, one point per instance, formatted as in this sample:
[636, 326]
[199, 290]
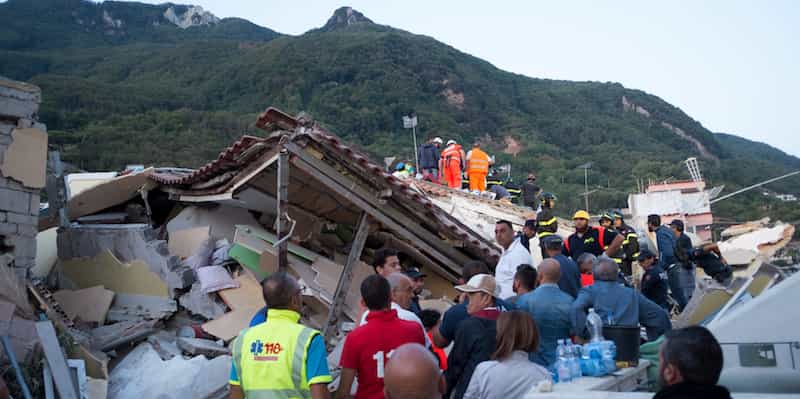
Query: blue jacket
[428, 156]
[550, 307]
[570, 281]
[625, 306]
[665, 239]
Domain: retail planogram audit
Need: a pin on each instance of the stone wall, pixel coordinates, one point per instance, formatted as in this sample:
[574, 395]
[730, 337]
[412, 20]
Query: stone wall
[19, 204]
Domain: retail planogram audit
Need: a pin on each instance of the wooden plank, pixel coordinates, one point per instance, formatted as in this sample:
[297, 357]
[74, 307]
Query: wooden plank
[343, 286]
[364, 195]
[381, 217]
[229, 325]
[55, 359]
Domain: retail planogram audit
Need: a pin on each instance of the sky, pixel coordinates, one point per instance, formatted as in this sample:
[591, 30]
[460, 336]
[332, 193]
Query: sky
[732, 65]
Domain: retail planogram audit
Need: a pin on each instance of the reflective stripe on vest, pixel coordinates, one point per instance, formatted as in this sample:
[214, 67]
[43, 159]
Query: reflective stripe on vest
[547, 222]
[545, 234]
[452, 153]
[478, 162]
[259, 342]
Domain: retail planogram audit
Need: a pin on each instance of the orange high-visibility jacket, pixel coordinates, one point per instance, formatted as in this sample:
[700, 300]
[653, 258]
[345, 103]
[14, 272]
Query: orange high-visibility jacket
[478, 162]
[452, 156]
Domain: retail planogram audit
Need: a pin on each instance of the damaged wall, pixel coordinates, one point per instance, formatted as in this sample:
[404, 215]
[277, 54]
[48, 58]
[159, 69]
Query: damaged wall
[128, 243]
[23, 155]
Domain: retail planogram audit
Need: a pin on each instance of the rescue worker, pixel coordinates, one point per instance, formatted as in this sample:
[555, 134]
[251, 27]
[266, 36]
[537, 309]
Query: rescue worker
[709, 258]
[654, 281]
[592, 239]
[477, 168]
[280, 358]
[630, 242]
[528, 231]
[665, 241]
[514, 191]
[428, 155]
[451, 164]
[530, 192]
[683, 251]
[546, 222]
[606, 222]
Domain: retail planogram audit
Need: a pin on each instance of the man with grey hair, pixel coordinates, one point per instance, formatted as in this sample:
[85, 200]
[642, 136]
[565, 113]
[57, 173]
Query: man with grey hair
[617, 304]
[413, 373]
[402, 294]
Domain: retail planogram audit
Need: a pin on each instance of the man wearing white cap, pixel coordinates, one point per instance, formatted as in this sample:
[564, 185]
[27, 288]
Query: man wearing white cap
[475, 337]
[452, 163]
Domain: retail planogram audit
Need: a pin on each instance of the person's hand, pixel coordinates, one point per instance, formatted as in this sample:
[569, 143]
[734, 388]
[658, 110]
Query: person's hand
[723, 260]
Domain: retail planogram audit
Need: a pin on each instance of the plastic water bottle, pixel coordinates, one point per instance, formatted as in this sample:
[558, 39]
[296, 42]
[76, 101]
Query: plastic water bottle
[575, 361]
[595, 326]
[562, 362]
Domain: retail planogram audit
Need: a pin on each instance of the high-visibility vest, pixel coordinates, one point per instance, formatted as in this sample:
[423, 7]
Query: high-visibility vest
[478, 162]
[270, 358]
[450, 154]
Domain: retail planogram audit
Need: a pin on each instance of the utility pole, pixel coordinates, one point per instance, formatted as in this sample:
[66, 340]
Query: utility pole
[410, 122]
[585, 168]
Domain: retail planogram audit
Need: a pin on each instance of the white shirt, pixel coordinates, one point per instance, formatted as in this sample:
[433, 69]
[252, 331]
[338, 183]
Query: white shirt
[512, 257]
[402, 314]
[511, 378]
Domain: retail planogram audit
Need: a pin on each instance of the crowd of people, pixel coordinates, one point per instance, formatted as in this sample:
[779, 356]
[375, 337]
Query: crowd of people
[503, 332]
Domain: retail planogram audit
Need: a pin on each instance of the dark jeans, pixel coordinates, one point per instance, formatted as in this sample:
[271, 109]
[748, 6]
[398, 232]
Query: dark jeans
[675, 287]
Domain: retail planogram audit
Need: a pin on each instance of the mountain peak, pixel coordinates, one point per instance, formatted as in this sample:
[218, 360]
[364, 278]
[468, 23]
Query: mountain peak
[345, 17]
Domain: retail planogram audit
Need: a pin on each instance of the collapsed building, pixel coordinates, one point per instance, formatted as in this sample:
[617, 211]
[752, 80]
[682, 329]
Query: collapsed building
[149, 273]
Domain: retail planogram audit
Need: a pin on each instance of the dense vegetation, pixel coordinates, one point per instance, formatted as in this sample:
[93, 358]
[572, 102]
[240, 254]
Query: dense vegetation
[157, 94]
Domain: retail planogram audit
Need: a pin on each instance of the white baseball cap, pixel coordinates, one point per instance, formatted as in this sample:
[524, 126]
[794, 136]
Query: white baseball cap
[437, 140]
[480, 283]
[451, 142]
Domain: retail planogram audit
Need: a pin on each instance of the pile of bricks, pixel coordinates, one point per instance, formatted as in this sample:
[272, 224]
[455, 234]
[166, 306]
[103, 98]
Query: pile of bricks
[19, 205]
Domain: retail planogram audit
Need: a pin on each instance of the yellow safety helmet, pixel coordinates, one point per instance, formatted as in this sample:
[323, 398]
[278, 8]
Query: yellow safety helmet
[581, 215]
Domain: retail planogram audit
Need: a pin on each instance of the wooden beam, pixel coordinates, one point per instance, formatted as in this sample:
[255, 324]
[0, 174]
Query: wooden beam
[55, 359]
[337, 307]
[378, 214]
[283, 210]
[352, 189]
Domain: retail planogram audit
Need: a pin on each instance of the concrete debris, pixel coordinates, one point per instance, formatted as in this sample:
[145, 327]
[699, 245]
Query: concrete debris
[107, 194]
[165, 344]
[222, 220]
[106, 270]
[96, 388]
[46, 253]
[215, 278]
[89, 304]
[142, 374]
[205, 347]
[197, 302]
[743, 228]
[187, 242]
[108, 337]
[135, 307]
[128, 243]
[26, 157]
[21, 333]
[55, 360]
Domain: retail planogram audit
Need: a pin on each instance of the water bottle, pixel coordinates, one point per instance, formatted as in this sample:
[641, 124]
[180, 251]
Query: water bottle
[562, 362]
[595, 326]
[610, 319]
[575, 361]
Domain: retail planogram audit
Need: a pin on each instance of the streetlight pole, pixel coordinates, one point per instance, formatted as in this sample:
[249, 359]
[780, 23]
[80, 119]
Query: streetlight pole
[410, 122]
[585, 168]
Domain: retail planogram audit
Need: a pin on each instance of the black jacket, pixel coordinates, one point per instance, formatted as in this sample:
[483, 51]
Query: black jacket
[474, 343]
[428, 156]
[529, 191]
[686, 390]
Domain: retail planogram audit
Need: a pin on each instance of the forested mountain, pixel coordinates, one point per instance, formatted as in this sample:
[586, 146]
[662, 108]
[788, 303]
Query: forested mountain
[172, 85]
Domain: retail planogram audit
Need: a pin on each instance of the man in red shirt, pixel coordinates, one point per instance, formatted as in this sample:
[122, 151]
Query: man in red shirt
[367, 348]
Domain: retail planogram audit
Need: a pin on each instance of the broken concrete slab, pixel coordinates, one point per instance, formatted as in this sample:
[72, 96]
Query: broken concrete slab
[215, 278]
[46, 253]
[96, 388]
[26, 158]
[205, 347]
[105, 269]
[165, 344]
[197, 302]
[108, 337]
[142, 374]
[89, 304]
[186, 242]
[135, 307]
[107, 194]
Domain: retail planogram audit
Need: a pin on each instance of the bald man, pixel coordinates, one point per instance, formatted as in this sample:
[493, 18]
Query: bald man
[550, 307]
[621, 304]
[413, 373]
[402, 293]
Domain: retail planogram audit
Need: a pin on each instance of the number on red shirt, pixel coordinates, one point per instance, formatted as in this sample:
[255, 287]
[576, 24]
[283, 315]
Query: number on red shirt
[379, 358]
